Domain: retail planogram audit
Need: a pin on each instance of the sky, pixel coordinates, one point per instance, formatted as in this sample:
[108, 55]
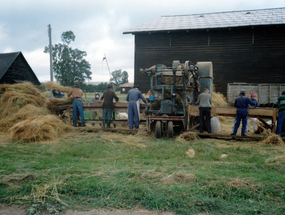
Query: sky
[98, 26]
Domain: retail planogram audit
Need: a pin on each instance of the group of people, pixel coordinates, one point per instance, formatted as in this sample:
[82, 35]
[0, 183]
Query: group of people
[133, 97]
[242, 103]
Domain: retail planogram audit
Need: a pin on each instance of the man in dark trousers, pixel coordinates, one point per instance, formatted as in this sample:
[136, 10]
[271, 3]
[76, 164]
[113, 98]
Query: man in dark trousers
[108, 105]
[77, 94]
[133, 97]
[205, 104]
[241, 103]
[281, 115]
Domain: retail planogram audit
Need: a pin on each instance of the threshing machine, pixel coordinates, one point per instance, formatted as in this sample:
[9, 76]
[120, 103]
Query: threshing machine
[171, 89]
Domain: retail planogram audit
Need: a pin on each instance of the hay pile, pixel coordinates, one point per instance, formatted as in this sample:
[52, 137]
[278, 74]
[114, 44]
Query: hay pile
[219, 100]
[24, 114]
[179, 177]
[56, 102]
[191, 153]
[273, 139]
[54, 86]
[187, 136]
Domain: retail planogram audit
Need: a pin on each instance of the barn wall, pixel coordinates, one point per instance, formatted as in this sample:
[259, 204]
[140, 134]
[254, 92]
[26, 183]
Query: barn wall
[253, 55]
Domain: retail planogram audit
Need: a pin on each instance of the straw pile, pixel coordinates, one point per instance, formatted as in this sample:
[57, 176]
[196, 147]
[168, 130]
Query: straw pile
[54, 86]
[219, 100]
[178, 178]
[16, 96]
[56, 102]
[38, 129]
[187, 136]
[190, 153]
[273, 139]
[279, 160]
[24, 114]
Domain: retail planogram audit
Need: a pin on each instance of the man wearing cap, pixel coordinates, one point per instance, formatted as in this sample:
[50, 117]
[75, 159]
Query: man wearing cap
[281, 115]
[76, 94]
[94, 100]
[253, 98]
[108, 105]
[241, 103]
[133, 97]
[205, 104]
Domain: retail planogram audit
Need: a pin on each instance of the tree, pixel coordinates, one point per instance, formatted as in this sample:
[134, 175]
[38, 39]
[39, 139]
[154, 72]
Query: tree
[125, 77]
[69, 65]
[119, 77]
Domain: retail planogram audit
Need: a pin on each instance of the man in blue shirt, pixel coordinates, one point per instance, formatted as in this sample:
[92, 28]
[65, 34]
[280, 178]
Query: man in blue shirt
[241, 103]
[281, 115]
[133, 97]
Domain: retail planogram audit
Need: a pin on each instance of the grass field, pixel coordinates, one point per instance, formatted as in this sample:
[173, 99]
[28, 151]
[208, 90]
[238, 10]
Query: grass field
[84, 171]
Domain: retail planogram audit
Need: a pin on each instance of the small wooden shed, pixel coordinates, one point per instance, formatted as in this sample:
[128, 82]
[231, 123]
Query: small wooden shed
[15, 69]
[126, 87]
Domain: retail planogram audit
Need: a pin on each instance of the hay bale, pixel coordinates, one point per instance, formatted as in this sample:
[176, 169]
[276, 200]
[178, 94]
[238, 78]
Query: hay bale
[48, 127]
[273, 139]
[187, 136]
[54, 86]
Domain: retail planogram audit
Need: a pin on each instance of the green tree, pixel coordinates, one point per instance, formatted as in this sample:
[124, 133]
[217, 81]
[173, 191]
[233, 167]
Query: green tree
[69, 65]
[119, 77]
[125, 77]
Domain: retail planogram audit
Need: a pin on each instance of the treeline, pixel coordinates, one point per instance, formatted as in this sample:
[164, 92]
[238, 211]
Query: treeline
[95, 88]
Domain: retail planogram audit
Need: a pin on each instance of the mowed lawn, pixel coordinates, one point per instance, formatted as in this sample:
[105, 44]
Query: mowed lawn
[85, 171]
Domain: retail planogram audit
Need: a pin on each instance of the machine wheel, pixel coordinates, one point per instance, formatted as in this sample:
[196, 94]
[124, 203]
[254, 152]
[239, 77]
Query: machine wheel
[158, 129]
[170, 129]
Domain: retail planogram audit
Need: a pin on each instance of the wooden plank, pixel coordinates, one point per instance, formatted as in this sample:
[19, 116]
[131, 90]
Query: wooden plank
[269, 113]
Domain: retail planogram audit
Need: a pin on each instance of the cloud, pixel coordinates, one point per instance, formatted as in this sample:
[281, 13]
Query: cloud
[98, 26]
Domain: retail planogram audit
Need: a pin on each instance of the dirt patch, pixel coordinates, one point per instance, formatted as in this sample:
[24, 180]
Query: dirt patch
[17, 210]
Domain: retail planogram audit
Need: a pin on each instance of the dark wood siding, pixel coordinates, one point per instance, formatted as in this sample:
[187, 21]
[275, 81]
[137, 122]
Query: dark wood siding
[19, 71]
[253, 55]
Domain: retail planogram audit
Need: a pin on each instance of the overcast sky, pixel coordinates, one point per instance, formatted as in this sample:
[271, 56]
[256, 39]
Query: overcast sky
[98, 26]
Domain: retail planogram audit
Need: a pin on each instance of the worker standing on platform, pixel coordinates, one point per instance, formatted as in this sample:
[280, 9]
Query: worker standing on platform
[108, 105]
[205, 104]
[253, 98]
[77, 94]
[94, 100]
[241, 103]
[281, 115]
[133, 97]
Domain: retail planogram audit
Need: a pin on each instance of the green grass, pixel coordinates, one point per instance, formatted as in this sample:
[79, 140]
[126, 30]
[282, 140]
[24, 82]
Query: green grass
[86, 171]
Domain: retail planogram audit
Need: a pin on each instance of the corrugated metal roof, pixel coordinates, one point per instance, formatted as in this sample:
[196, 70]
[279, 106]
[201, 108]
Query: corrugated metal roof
[274, 16]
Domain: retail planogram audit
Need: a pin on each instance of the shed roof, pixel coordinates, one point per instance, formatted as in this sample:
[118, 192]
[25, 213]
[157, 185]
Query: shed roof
[127, 85]
[275, 16]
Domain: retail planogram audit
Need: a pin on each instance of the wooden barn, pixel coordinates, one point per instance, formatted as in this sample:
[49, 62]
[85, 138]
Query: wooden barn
[244, 46]
[126, 87]
[14, 69]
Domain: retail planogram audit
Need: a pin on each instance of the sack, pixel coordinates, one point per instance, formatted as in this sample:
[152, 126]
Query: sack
[215, 124]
